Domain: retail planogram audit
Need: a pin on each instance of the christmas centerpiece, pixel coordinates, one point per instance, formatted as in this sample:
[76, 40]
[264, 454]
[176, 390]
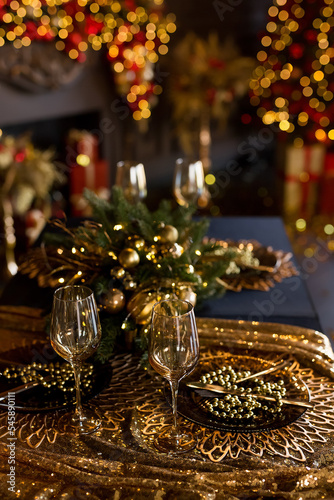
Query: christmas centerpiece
[132, 258]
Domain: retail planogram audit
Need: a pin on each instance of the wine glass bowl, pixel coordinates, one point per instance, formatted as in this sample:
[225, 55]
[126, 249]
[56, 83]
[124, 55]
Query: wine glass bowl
[75, 333]
[188, 183]
[173, 353]
[130, 176]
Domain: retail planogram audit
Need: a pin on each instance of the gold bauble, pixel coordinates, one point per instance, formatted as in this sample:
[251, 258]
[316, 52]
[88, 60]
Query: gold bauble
[141, 304]
[129, 258]
[113, 301]
[187, 294]
[169, 234]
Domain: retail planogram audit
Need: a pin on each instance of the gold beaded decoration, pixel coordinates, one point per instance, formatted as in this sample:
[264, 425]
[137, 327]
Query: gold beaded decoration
[56, 375]
[245, 405]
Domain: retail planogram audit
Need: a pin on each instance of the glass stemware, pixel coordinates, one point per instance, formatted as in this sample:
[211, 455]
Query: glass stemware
[131, 178]
[188, 183]
[173, 353]
[75, 333]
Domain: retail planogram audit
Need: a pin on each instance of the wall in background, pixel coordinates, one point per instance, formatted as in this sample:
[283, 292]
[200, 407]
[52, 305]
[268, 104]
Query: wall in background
[91, 103]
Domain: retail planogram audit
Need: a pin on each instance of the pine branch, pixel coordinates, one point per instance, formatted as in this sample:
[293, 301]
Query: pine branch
[111, 331]
[101, 209]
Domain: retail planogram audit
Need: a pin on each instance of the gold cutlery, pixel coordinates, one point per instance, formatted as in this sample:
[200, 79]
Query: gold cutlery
[211, 388]
[22, 388]
[276, 367]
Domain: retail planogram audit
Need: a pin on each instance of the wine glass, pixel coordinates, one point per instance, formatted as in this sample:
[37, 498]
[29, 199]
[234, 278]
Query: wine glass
[173, 353]
[75, 333]
[188, 183]
[131, 178]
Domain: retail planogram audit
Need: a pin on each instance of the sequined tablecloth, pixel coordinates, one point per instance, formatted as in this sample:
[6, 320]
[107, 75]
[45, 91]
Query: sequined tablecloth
[119, 461]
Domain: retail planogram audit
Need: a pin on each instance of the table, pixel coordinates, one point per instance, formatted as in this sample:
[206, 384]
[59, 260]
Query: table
[289, 302]
[120, 462]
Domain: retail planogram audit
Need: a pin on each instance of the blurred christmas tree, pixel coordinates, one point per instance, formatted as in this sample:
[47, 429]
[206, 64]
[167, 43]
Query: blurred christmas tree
[132, 34]
[293, 86]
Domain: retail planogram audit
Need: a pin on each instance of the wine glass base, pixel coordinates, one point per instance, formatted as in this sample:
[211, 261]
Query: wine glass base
[169, 442]
[86, 423]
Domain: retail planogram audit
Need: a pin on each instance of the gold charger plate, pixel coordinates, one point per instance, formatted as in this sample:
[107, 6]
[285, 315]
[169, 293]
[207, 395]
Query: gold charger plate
[191, 403]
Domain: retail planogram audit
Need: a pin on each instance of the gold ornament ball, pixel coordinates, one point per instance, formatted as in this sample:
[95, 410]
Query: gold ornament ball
[113, 301]
[169, 234]
[188, 294]
[140, 306]
[129, 258]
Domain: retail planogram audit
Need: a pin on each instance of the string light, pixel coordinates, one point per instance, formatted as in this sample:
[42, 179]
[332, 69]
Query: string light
[133, 37]
[292, 84]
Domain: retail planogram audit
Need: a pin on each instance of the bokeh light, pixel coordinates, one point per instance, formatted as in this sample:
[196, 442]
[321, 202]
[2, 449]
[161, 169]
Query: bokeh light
[291, 82]
[132, 35]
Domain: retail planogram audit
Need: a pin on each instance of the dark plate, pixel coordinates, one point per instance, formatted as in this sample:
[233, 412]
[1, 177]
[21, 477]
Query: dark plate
[189, 401]
[39, 398]
[268, 263]
[267, 258]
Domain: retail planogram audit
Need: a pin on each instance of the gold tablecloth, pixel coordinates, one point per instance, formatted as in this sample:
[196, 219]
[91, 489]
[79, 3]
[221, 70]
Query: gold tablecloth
[119, 461]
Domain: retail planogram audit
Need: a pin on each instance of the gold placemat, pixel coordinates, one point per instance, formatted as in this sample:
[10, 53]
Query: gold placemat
[119, 461]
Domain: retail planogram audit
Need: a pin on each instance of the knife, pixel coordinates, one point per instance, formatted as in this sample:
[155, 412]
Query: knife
[22, 388]
[274, 368]
[210, 388]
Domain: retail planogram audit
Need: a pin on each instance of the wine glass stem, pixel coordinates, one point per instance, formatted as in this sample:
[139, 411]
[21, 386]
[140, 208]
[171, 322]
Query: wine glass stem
[174, 386]
[77, 372]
